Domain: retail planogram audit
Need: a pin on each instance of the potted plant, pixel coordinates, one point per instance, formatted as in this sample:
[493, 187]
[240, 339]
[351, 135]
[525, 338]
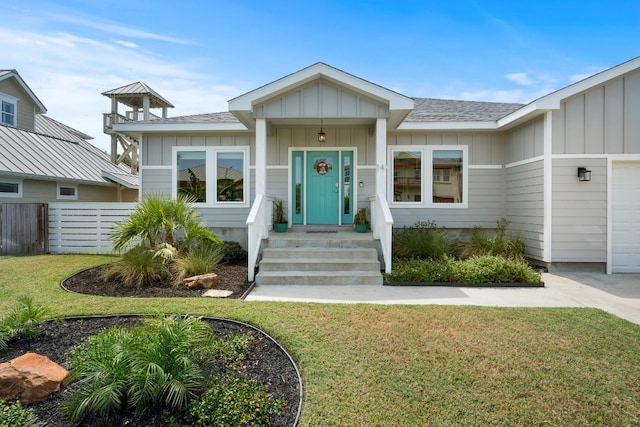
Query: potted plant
[360, 221]
[280, 223]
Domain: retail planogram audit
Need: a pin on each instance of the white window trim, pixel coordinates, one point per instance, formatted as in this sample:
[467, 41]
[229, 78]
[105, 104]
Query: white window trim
[11, 100]
[62, 197]
[211, 158]
[426, 152]
[17, 195]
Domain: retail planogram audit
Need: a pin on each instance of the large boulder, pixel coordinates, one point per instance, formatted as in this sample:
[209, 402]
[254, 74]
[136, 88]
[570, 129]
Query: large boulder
[202, 281]
[30, 378]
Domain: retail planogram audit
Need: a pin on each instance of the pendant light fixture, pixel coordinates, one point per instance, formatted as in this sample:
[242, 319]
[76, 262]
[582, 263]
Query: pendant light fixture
[322, 137]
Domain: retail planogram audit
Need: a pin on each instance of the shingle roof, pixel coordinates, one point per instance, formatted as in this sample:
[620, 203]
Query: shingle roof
[443, 110]
[224, 117]
[35, 155]
[426, 110]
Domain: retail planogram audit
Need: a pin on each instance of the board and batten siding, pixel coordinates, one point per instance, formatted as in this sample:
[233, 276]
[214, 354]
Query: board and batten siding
[321, 98]
[579, 219]
[525, 205]
[525, 141]
[602, 120]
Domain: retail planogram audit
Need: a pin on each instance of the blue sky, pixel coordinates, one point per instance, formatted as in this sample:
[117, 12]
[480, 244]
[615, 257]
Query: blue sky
[200, 54]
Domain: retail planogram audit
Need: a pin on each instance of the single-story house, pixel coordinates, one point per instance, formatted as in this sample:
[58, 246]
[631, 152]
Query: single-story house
[43, 160]
[563, 169]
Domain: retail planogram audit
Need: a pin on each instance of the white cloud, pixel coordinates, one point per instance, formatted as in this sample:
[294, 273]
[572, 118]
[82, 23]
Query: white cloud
[126, 44]
[68, 74]
[520, 78]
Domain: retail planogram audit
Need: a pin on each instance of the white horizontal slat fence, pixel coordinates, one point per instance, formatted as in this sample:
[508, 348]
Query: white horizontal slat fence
[84, 227]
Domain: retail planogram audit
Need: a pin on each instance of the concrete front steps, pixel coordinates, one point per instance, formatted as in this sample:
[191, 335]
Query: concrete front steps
[298, 257]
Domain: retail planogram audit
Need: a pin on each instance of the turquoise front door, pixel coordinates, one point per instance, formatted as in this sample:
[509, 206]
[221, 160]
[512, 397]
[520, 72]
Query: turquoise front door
[323, 187]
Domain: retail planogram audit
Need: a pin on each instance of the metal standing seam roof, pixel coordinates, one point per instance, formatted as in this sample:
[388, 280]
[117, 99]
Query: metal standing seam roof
[131, 95]
[26, 154]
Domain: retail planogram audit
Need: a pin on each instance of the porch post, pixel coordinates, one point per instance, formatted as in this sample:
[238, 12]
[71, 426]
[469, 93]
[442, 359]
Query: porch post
[261, 156]
[381, 156]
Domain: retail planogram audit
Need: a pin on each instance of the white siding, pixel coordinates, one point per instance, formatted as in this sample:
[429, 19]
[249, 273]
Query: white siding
[579, 218]
[525, 205]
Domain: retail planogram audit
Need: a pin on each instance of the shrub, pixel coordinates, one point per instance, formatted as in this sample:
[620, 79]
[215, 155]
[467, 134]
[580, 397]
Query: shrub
[484, 269]
[499, 243]
[235, 402]
[13, 415]
[201, 259]
[139, 267]
[424, 241]
[22, 321]
[160, 363]
[235, 348]
[233, 252]
[497, 269]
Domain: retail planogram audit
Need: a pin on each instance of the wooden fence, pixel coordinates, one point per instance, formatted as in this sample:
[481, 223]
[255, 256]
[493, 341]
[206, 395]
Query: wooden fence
[23, 228]
[84, 227]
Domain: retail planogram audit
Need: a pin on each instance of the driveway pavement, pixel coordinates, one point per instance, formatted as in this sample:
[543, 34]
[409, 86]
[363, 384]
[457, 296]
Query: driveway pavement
[618, 294]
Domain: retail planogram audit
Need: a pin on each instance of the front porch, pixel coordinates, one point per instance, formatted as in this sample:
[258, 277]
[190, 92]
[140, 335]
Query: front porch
[303, 245]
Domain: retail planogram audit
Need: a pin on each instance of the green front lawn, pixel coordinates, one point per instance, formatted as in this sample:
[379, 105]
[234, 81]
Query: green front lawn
[407, 365]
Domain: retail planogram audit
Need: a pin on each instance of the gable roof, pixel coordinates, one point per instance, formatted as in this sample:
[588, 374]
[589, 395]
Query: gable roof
[553, 100]
[26, 154]
[399, 105]
[131, 95]
[7, 74]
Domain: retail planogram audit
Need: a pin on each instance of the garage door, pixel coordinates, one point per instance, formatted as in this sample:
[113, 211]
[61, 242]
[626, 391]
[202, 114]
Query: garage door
[625, 218]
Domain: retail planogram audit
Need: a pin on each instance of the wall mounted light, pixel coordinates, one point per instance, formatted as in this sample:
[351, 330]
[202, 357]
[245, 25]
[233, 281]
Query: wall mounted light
[322, 137]
[584, 174]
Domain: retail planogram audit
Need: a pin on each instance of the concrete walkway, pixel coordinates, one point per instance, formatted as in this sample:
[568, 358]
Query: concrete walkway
[618, 294]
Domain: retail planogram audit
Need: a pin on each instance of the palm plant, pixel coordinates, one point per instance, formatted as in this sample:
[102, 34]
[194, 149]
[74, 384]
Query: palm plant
[22, 321]
[159, 219]
[162, 362]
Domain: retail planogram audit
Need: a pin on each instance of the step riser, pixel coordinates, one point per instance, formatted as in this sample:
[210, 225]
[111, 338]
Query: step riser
[318, 253]
[335, 265]
[302, 243]
[320, 281]
[320, 259]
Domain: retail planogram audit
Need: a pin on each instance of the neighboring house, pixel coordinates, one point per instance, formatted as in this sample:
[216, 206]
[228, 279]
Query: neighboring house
[42, 160]
[458, 163]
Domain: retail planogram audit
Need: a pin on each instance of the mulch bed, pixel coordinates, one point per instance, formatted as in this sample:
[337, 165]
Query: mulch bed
[231, 277]
[267, 363]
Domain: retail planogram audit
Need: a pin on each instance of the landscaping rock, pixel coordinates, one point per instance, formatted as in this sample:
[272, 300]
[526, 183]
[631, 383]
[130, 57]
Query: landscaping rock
[202, 281]
[30, 378]
[217, 293]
